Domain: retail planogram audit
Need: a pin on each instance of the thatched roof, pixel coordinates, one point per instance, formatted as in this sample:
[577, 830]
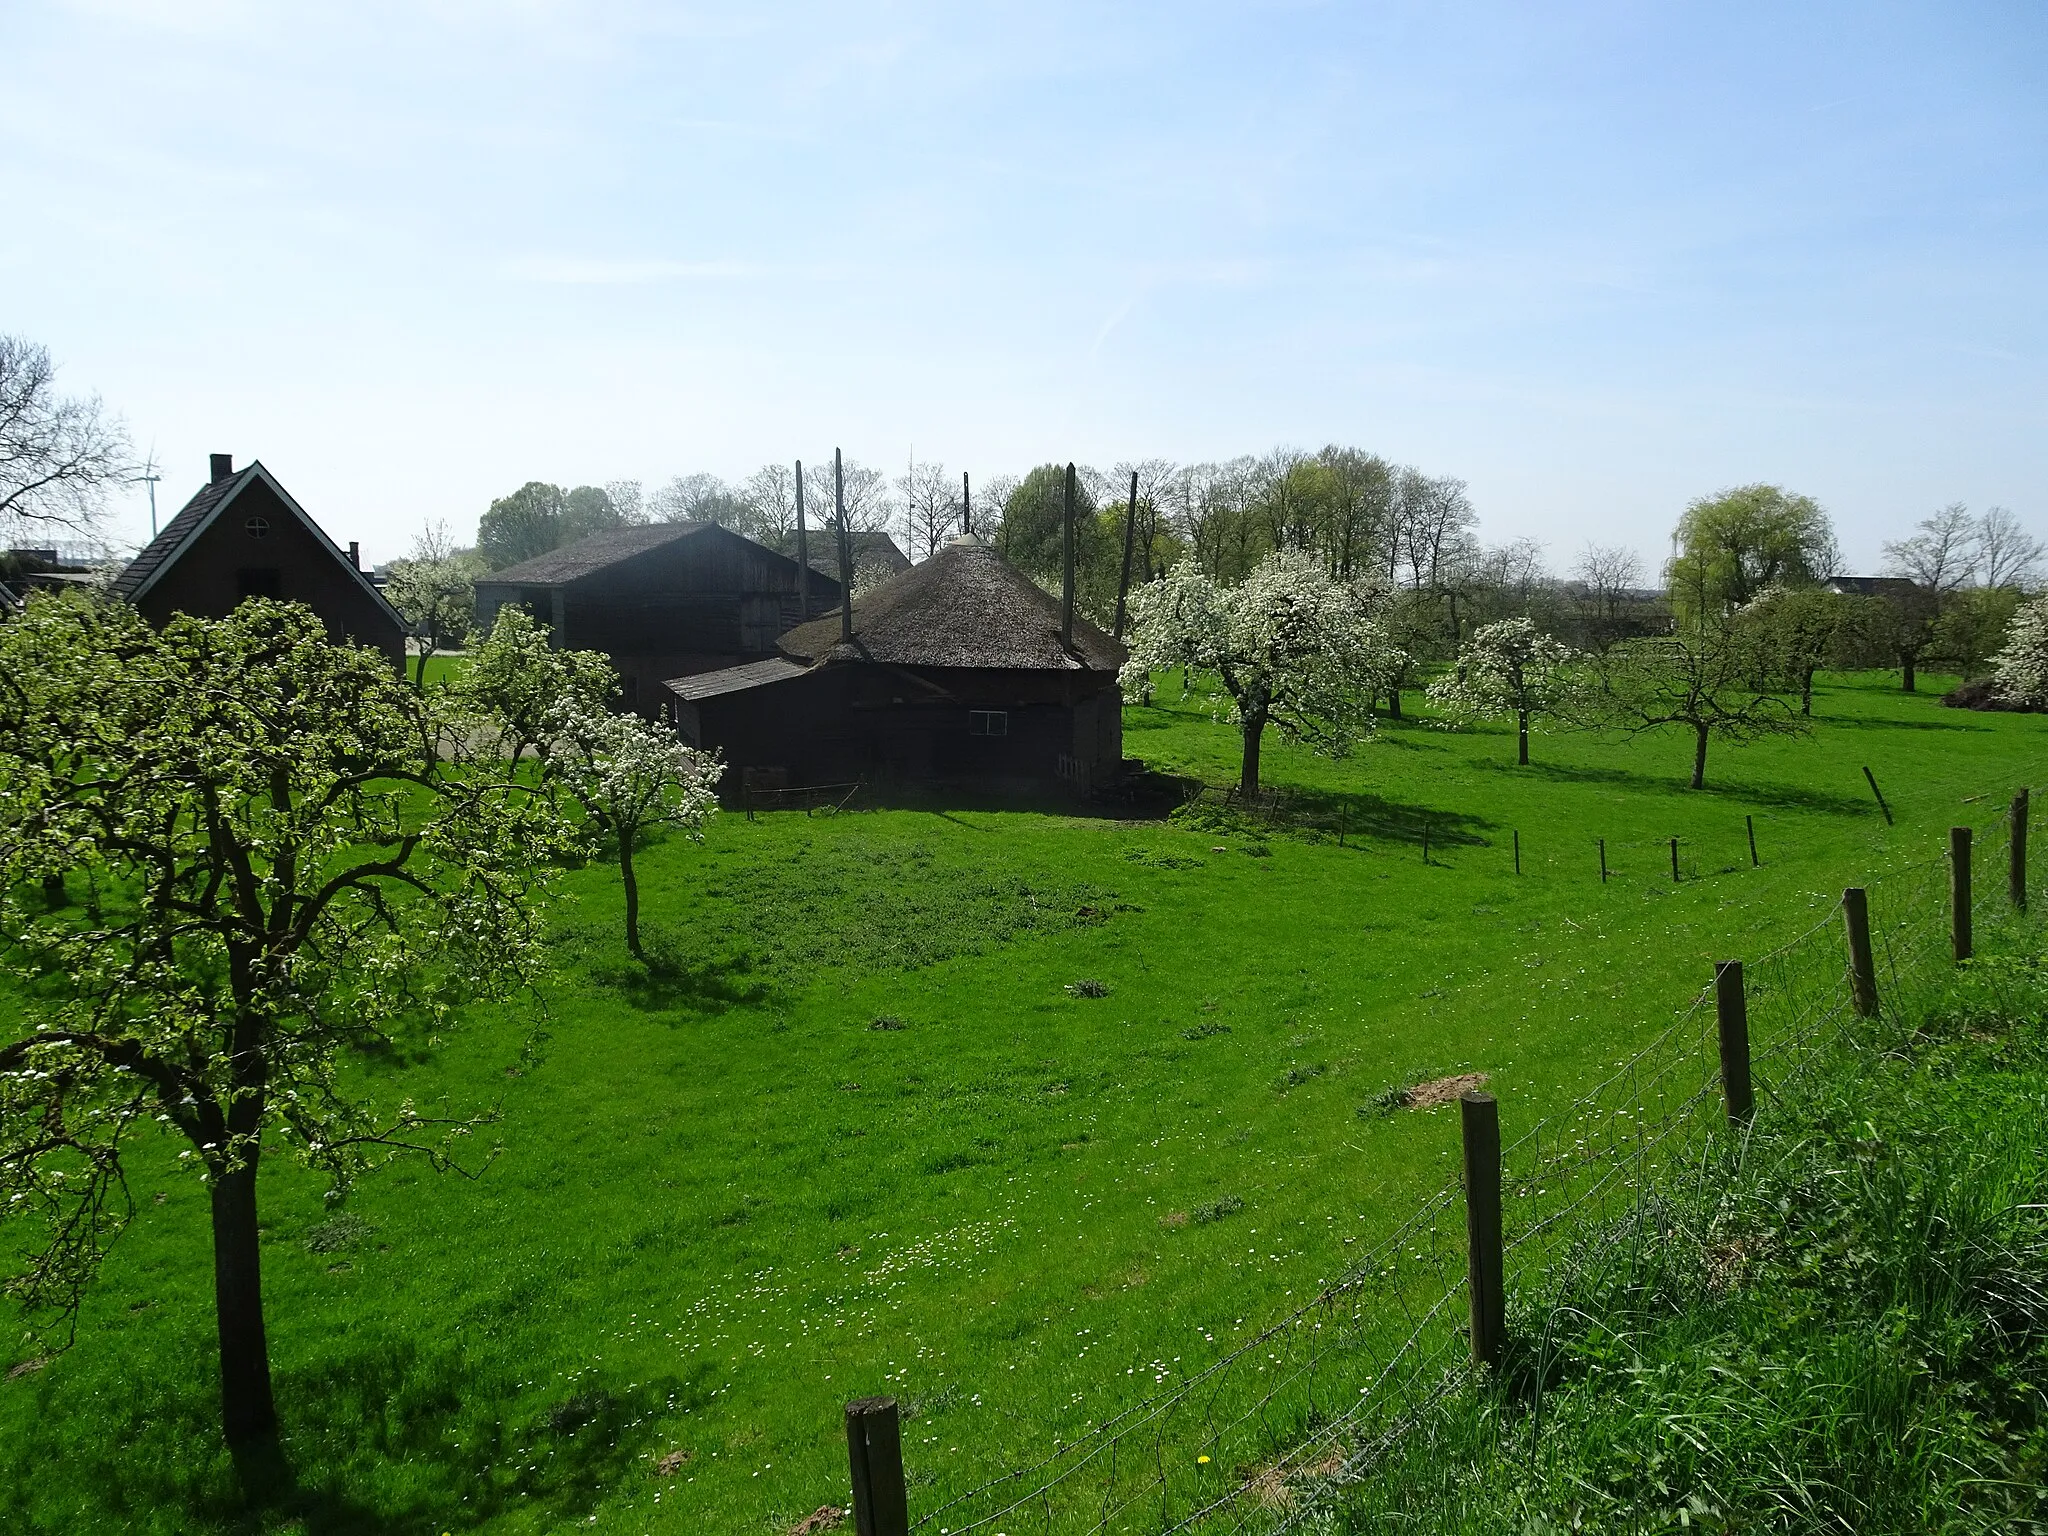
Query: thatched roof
[966, 606]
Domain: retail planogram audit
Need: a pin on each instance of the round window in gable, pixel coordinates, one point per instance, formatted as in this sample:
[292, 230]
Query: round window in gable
[256, 527]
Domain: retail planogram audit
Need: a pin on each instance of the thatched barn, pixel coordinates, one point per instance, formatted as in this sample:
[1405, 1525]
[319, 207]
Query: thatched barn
[957, 672]
[661, 600]
[242, 535]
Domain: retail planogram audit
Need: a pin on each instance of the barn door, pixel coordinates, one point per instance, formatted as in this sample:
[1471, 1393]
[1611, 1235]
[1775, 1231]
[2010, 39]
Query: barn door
[760, 621]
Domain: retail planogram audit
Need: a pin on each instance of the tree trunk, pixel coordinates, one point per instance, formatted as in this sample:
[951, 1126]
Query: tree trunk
[1699, 757]
[632, 895]
[1806, 692]
[1248, 778]
[1522, 735]
[248, 1414]
[54, 894]
[1909, 683]
[1393, 703]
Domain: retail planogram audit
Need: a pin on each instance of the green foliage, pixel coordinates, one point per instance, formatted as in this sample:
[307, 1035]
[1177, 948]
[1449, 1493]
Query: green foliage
[539, 517]
[290, 864]
[1030, 537]
[1708, 680]
[1738, 543]
[1844, 1327]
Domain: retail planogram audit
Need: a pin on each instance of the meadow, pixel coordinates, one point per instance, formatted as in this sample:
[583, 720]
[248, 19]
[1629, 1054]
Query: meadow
[1012, 1115]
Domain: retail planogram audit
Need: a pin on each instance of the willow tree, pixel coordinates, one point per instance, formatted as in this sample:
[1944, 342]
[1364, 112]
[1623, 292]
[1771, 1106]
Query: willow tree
[291, 860]
[1289, 648]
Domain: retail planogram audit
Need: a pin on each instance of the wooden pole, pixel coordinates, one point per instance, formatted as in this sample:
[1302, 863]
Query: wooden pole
[1731, 1009]
[1425, 840]
[1674, 861]
[2016, 869]
[1518, 852]
[845, 551]
[1862, 965]
[1750, 823]
[1603, 861]
[1123, 585]
[874, 1452]
[1479, 1119]
[966, 504]
[1880, 796]
[1959, 934]
[1067, 564]
[1343, 820]
[803, 552]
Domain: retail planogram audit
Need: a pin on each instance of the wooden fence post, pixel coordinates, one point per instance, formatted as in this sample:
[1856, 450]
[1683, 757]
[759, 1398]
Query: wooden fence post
[1674, 861]
[1731, 1009]
[1862, 967]
[1603, 860]
[1479, 1117]
[1750, 823]
[874, 1449]
[1880, 796]
[1959, 893]
[1518, 852]
[2016, 872]
[1425, 840]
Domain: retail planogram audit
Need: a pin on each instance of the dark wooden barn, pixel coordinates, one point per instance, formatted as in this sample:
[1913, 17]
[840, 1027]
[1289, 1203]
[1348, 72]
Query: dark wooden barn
[244, 536]
[661, 600]
[956, 674]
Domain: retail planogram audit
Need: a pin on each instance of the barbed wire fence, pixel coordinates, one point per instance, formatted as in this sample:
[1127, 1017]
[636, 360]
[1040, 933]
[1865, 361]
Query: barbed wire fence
[1263, 1437]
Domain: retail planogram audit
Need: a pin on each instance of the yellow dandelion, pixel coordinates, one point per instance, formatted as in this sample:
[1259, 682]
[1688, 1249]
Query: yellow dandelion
[1201, 1460]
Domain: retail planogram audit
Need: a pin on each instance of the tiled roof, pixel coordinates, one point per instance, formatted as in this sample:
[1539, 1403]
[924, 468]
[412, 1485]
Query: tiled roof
[161, 550]
[559, 567]
[705, 685]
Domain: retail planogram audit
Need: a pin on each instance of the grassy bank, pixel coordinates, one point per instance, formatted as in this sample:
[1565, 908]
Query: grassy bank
[865, 1131]
[1841, 1324]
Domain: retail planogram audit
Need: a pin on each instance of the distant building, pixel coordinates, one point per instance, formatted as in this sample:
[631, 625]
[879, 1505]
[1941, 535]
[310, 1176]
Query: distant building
[661, 600]
[874, 556]
[244, 536]
[956, 675]
[1897, 589]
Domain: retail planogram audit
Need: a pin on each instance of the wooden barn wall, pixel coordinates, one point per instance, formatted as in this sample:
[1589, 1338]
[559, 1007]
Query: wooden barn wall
[696, 605]
[887, 724]
[220, 567]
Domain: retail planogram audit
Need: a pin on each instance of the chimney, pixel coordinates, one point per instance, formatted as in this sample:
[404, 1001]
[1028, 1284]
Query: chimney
[1067, 565]
[966, 505]
[223, 466]
[355, 554]
[845, 553]
[803, 552]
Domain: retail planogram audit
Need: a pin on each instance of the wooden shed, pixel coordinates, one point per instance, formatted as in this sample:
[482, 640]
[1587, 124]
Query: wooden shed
[661, 600]
[956, 674]
[244, 536]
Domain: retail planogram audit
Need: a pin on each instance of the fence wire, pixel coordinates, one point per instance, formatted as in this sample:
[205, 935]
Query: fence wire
[1262, 1438]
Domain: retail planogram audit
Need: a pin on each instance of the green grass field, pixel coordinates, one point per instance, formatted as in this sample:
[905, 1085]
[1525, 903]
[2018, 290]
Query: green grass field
[859, 1136]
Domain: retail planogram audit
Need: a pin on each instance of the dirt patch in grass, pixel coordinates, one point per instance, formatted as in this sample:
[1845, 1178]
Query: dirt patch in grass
[1441, 1090]
[823, 1518]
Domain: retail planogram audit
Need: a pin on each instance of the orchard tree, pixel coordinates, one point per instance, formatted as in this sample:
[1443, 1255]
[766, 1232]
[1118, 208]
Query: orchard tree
[1508, 668]
[1703, 679]
[518, 684]
[631, 776]
[1289, 646]
[291, 860]
[1795, 631]
[528, 700]
[2022, 676]
[434, 591]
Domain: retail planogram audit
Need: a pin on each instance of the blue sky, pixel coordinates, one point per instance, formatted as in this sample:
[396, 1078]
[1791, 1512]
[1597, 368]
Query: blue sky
[1596, 259]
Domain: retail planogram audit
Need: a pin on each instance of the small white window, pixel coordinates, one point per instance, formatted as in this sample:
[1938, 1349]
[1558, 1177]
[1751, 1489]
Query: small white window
[988, 722]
